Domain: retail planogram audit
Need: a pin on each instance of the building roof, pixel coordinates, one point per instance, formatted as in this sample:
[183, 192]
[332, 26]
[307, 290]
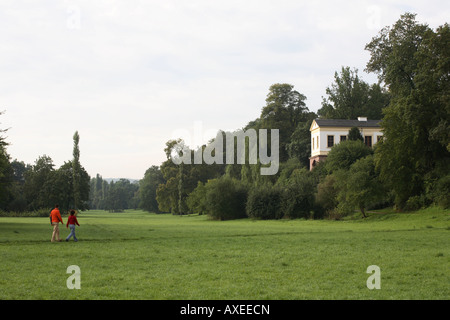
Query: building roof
[347, 123]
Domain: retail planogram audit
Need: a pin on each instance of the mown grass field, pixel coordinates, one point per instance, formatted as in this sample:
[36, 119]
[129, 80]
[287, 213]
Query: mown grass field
[137, 255]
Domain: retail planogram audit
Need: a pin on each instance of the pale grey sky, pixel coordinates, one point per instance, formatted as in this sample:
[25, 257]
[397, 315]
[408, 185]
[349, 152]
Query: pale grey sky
[130, 75]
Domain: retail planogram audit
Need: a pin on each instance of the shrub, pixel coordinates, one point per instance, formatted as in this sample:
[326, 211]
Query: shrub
[196, 200]
[359, 187]
[354, 134]
[265, 202]
[225, 198]
[439, 192]
[326, 197]
[334, 214]
[415, 203]
[35, 213]
[298, 197]
[344, 154]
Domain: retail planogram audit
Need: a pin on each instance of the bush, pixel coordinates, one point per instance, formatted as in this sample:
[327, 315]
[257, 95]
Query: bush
[196, 200]
[354, 134]
[343, 209]
[334, 214]
[35, 213]
[326, 196]
[359, 187]
[439, 192]
[225, 198]
[298, 198]
[415, 203]
[345, 153]
[265, 202]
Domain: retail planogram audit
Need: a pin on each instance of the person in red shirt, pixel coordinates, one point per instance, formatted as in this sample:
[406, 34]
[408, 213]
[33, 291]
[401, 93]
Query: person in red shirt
[55, 219]
[71, 221]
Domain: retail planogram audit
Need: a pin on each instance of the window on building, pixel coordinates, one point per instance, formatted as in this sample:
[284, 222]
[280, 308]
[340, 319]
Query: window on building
[330, 141]
[313, 144]
[317, 143]
[368, 141]
[343, 138]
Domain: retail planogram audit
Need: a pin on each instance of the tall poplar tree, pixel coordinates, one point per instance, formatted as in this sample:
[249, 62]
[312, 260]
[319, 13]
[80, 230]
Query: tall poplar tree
[76, 170]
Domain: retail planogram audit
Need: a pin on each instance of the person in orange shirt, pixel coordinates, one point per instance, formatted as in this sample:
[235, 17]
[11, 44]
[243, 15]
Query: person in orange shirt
[55, 218]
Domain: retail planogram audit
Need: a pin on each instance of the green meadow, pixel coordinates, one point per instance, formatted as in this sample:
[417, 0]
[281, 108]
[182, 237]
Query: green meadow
[137, 255]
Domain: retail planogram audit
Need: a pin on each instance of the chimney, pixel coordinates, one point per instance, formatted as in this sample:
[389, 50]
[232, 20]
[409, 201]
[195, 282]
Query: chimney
[362, 118]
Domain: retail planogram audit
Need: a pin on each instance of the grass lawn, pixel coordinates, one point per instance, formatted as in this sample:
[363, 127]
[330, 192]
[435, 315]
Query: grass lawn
[137, 255]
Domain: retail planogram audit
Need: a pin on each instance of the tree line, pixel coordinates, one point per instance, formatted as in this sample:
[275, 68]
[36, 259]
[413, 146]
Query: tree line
[33, 189]
[114, 196]
[38, 187]
[407, 169]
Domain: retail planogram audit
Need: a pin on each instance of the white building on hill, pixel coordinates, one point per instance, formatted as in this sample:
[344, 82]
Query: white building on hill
[325, 133]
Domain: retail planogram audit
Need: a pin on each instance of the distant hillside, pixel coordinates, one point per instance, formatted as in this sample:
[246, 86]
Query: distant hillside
[117, 179]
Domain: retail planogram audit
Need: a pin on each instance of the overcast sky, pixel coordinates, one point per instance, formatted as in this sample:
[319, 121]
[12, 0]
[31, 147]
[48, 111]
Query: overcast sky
[130, 75]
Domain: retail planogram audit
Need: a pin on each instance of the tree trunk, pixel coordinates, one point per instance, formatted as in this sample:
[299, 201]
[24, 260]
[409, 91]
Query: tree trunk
[362, 211]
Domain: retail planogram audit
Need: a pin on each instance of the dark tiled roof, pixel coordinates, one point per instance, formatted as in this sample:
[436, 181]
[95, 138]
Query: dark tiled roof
[347, 123]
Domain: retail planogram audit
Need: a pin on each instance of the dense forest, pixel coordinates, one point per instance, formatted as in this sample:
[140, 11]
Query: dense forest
[407, 169]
